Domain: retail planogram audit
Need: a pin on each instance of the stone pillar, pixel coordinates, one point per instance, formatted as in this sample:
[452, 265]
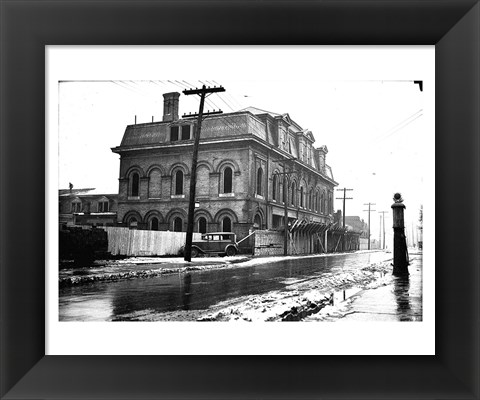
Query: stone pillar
[400, 256]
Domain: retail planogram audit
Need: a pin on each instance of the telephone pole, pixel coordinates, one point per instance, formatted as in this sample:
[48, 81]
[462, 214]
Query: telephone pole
[369, 210]
[193, 176]
[344, 198]
[285, 203]
[383, 214]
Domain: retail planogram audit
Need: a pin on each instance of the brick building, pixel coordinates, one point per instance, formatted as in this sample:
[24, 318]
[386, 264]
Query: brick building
[240, 180]
[86, 207]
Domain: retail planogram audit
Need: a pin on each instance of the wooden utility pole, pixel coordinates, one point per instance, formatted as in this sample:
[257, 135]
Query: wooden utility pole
[285, 204]
[383, 214]
[193, 175]
[344, 198]
[369, 210]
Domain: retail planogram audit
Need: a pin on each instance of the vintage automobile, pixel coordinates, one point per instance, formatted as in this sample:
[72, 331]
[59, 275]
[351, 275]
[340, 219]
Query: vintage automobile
[220, 243]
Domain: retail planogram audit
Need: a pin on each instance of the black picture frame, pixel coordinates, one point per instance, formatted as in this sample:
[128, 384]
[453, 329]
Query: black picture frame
[453, 26]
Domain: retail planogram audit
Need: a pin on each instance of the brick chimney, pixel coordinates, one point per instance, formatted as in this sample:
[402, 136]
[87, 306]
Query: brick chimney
[321, 155]
[170, 106]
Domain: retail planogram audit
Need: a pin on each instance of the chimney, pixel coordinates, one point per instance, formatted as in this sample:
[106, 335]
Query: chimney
[321, 155]
[170, 106]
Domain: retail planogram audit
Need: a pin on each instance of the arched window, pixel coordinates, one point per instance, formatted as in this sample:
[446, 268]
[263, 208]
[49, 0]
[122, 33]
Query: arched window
[293, 193]
[154, 224]
[226, 225]
[177, 224]
[301, 198]
[227, 180]
[330, 203]
[257, 222]
[202, 225]
[260, 181]
[179, 182]
[155, 184]
[274, 187]
[134, 184]
[322, 203]
[132, 222]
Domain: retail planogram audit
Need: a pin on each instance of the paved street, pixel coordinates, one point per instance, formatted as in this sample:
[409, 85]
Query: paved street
[189, 295]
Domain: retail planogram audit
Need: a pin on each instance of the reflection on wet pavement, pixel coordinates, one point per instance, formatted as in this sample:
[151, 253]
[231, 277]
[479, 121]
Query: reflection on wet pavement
[401, 300]
[198, 290]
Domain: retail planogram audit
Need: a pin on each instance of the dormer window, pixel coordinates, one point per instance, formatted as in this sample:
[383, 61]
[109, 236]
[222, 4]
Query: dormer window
[182, 132]
[185, 132]
[173, 133]
[103, 206]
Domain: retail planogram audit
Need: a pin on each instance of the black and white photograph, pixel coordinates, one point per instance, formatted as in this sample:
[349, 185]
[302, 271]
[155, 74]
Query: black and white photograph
[268, 185]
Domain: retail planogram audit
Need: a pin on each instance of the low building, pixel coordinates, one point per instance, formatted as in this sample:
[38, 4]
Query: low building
[87, 207]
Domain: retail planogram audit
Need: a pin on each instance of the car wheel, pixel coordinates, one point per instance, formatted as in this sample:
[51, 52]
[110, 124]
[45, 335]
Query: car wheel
[194, 252]
[231, 251]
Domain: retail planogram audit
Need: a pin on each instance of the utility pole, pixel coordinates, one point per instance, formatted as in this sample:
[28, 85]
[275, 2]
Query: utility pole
[344, 198]
[369, 210]
[383, 214]
[285, 205]
[193, 177]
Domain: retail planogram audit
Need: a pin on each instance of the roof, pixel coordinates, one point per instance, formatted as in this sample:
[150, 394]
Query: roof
[256, 111]
[84, 192]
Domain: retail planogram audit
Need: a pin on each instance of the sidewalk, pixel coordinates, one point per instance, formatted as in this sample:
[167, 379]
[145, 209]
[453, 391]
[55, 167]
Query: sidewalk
[399, 300]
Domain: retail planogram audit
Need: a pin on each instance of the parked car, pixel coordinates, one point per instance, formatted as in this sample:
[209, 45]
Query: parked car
[220, 243]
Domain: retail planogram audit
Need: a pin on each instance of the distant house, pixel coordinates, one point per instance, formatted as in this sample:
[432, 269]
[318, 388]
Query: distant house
[87, 207]
[358, 225]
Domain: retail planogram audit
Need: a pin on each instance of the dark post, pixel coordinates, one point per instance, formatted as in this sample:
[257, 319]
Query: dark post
[400, 256]
[285, 211]
[193, 176]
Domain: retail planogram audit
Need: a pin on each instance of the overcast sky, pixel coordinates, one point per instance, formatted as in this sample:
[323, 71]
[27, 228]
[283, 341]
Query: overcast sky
[375, 130]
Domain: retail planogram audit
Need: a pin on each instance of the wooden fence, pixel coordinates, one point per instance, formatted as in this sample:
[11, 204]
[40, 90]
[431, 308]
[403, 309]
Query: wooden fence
[131, 242]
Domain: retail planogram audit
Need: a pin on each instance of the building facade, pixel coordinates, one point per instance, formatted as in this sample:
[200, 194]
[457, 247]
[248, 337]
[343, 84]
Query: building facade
[86, 207]
[254, 167]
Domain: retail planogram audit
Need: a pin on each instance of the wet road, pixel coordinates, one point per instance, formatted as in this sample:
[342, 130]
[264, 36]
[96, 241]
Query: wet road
[106, 301]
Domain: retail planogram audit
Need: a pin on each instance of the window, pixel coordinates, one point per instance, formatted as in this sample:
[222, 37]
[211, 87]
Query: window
[185, 132]
[284, 189]
[155, 184]
[202, 225]
[226, 225]
[260, 181]
[103, 206]
[301, 197]
[179, 182]
[132, 223]
[154, 224]
[322, 203]
[227, 180]
[274, 187]
[330, 203]
[76, 207]
[173, 133]
[257, 222]
[294, 189]
[177, 224]
[134, 184]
